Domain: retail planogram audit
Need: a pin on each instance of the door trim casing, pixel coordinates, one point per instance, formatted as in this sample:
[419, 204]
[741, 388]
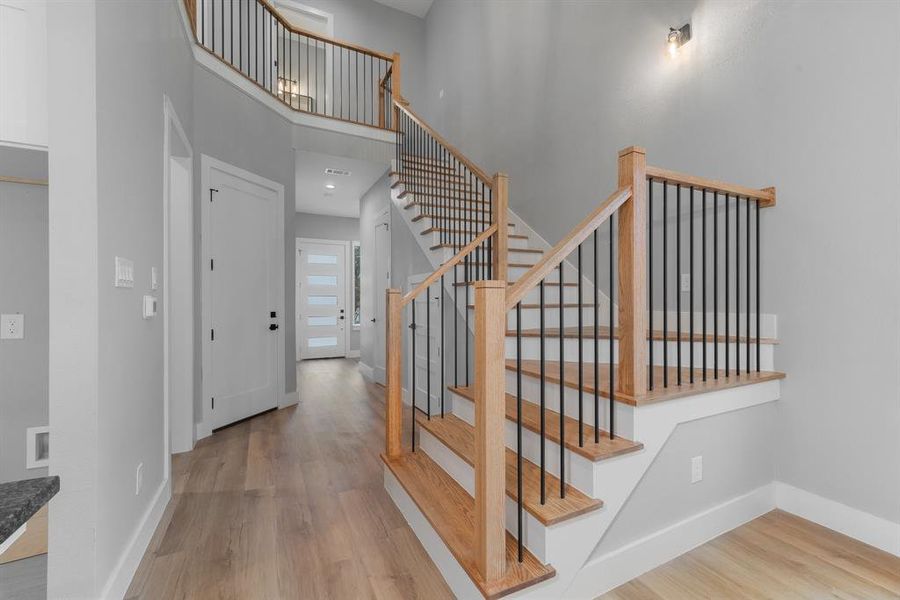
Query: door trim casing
[207, 164]
[348, 287]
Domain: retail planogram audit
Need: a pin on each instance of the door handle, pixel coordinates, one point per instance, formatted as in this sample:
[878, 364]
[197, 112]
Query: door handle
[273, 327]
[373, 320]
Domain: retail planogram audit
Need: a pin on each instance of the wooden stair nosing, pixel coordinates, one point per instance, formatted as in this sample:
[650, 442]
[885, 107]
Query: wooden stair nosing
[512, 236]
[657, 334]
[421, 216]
[471, 199]
[417, 171]
[450, 189]
[549, 304]
[519, 250]
[605, 448]
[512, 283]
[659, 393]
[450, 511]
[459, 437]
[416, 201]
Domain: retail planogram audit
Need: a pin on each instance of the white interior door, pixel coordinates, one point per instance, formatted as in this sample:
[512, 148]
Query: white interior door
[428, 385]
[243, 287]
[322, 297]
[382, 282]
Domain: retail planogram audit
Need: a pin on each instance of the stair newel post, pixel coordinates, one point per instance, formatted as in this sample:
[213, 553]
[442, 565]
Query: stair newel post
[500, 195]
[395, 88]
[632, 298]
[490, 449]
[393, 401]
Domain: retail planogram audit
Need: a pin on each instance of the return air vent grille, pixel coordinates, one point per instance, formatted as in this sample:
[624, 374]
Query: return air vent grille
[342, 172]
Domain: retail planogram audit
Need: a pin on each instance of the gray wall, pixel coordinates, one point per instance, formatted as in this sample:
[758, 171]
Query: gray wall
[326, 227]
[757, 97]
[371, 205]
[114, 61]
[738, 453]
[24, 281]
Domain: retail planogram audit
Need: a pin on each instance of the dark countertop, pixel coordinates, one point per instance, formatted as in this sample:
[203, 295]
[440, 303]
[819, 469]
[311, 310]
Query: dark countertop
[19, 500]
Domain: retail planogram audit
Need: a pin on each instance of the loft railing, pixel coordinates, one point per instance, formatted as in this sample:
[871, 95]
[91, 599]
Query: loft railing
[306, 71]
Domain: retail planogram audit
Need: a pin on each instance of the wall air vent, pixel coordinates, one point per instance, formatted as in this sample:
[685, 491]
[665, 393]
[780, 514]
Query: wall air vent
[342, 172]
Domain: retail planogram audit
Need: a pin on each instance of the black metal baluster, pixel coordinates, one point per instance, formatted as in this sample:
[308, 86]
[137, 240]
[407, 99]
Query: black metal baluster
[456, 323]
[543, 402]
[678, 278]
[412, 389]
[727, 290]
[519, 423]
[580, 357]
[650, 337]
[443, 352]
[597, 340]
[703, 268]
[691, 289]
[612, 364]
[747, 305]
[231, 33]
[758, 286]
[737, 285]
[665, 278]
[715, 285]
[562, 387]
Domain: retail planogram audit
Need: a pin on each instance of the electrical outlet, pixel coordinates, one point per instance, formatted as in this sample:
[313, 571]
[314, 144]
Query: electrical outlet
[12, 326]
[685, 282]
[696, 469]
[139, 479]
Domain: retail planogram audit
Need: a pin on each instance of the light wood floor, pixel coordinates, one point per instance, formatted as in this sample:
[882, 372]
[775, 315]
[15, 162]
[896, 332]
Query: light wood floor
[777, 556]
[290, 505]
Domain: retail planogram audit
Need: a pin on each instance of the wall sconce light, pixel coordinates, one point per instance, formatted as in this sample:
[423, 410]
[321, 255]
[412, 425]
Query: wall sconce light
[678, 38]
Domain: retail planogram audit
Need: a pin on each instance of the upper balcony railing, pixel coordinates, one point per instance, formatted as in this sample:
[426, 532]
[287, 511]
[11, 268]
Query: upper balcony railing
[307, 71]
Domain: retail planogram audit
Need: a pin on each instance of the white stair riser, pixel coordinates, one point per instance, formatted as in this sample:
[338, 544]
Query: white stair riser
[579, 470]
[535, 533]
[551, 295]
[438, 237]
[531, 392]
[531, 350]
[531, 317]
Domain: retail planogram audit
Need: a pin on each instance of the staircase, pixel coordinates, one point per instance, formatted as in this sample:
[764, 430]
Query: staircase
[562, 370]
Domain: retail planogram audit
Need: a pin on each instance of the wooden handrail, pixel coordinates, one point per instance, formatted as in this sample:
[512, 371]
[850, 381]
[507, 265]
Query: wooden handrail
[404, 106]
[766, 196]
[566, 246]
[322, 38]
[459, 256]
[22, 180]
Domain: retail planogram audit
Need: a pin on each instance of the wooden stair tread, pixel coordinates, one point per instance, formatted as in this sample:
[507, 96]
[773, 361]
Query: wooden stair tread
[603, 333]
[435, 205]
[479, 263]
[416, 171]
[425, 215]
[472, 199]
[459, 436]
[546, 305]
[512, 236]
[519, 250]
[532, 368]
[451, 512]
[531, 420]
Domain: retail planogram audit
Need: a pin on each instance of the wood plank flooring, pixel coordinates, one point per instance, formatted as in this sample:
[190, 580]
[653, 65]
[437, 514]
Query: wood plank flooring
[777, 556]
[290, 505]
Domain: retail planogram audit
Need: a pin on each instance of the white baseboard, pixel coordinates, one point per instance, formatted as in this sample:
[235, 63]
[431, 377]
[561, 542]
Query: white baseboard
[865, 527]
[120, 578]
[290, 398]
[202, 430]
[366, 371]
[619, 566]
[353, 354]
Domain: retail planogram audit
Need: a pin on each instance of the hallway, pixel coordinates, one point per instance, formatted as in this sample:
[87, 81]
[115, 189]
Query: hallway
[290, 504]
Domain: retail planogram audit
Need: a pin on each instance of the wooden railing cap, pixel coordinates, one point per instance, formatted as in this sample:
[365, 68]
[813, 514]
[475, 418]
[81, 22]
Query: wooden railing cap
[632, 150]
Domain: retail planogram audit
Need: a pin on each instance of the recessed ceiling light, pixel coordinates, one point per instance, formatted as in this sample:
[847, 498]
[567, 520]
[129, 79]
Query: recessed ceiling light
[329, 186]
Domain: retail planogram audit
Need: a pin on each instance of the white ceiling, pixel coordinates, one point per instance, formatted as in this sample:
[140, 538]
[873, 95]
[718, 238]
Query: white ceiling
[343, 201]
[418, 8]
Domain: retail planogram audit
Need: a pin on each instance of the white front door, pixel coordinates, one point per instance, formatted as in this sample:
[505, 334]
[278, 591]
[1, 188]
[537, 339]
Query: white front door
[243, 287]
[322, 295]
[382, 282]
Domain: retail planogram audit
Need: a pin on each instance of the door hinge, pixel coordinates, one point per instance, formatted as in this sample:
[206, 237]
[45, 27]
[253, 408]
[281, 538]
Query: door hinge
[211, 265]
[211, 190]
[212, 335]
[213, 402]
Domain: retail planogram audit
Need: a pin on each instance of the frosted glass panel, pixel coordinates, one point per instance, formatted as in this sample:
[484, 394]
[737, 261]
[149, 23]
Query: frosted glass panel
[321, 279]
[321, 259]
[323, 300]
[321, 342]
[321, 321]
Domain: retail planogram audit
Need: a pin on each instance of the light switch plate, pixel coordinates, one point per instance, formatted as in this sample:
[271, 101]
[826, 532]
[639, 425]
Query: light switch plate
[149, 306]
[124, 273]
[12, 326]
[154, 278]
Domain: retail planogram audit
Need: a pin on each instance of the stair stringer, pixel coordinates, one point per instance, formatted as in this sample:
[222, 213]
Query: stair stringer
[617, 478]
